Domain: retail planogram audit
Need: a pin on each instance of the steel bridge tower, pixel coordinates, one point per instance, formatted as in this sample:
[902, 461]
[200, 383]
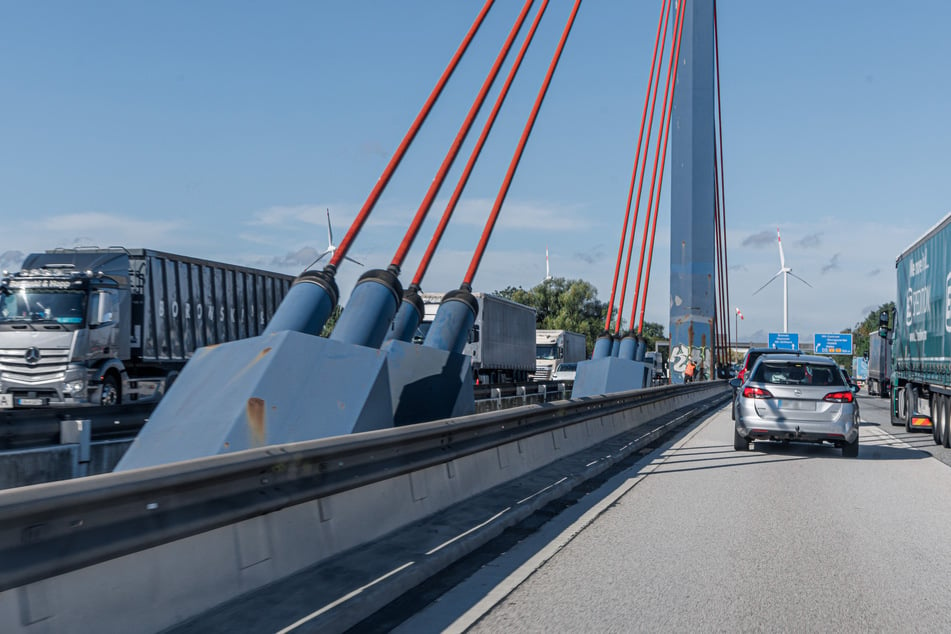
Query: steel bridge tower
[693, 196]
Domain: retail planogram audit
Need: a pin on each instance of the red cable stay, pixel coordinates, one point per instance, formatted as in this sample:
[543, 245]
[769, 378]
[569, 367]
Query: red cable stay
[667, 111]
[476, 151]
[440, 176]
[630, 244]
[662, 20]
[497, 207]
[360, 220]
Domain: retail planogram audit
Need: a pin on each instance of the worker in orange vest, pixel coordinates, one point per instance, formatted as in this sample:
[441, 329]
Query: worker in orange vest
[689, 370]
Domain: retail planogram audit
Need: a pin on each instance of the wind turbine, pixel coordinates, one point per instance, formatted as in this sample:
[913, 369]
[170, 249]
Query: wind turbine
[331, 247]
[785, 271]
[547, 270]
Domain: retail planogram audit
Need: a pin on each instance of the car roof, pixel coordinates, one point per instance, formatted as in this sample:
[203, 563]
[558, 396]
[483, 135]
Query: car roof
[774, 350]
[802, 358]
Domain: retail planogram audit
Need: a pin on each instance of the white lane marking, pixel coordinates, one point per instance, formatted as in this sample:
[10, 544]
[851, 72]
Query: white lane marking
[471, 530]
[346, 597]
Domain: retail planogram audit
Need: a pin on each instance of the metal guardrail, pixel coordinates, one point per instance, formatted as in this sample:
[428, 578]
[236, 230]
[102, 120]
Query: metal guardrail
[63, 526]
[28, 428]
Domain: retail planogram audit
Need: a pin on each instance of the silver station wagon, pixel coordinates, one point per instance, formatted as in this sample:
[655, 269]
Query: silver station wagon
[796, 398]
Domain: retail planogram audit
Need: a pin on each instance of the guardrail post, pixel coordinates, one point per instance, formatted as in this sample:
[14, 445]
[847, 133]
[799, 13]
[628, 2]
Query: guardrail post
[520, 391]
[496, 395]
[77, 432]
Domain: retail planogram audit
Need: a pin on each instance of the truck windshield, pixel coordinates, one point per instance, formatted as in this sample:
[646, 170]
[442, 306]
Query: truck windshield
[546, 351]
[64, 307]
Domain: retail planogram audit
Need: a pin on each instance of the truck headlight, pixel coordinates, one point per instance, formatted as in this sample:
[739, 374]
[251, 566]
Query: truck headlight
[76, 387]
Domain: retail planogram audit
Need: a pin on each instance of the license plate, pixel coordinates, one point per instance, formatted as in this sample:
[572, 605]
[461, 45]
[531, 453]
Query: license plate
[29, 401]
[6, 401]
[809, 406]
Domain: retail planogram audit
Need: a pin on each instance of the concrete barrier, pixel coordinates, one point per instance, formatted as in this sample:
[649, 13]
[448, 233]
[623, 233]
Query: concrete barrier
[161, 586]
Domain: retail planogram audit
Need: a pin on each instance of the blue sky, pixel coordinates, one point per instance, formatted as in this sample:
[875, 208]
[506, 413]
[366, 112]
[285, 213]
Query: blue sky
[226, 129]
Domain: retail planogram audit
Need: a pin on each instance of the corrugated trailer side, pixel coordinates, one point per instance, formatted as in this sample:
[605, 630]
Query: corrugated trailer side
[181, 304]
[921, 350]
[506, 337]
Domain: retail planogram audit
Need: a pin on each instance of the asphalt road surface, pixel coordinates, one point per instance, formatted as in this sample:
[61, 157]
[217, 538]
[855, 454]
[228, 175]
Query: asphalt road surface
[698, 537]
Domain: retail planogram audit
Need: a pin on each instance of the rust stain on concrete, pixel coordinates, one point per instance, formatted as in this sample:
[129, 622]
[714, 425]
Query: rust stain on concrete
[257, 421]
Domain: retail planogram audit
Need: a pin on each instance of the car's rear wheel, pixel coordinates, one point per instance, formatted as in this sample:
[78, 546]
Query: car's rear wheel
[739, 442]
[851, 450]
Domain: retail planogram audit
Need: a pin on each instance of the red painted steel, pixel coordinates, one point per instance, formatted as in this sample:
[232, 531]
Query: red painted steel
[440, 176]
[364, 213]
[668, 92]
[493, 217]
[464, 178]
[661, 22]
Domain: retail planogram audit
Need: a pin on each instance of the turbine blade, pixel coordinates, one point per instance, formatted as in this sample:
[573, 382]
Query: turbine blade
[800, 279]
[782, 258]
[352, 260]
[321, 256]
[330, 232]
[768, 283]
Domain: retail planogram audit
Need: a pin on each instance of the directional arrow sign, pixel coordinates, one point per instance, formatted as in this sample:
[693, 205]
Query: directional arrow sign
[784, 340]
[833, 343]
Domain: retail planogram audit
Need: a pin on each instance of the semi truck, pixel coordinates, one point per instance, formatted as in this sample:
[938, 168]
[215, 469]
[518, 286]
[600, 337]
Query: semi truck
[94, 326]
[921, 335]
[554, 347]
[859, 370]
[879, 362]
[501, 342]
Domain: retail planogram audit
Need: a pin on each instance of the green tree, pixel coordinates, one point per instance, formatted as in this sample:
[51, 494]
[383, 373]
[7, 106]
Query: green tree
[331, 321]
[563, 304]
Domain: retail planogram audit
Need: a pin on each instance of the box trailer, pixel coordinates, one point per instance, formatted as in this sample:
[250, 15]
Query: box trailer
[921, 335]
[501, 342]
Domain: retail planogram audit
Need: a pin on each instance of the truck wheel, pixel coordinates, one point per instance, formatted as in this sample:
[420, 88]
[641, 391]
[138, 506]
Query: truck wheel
[110, 395]
[945, 421]
[897, 408]
[909, 407]
[936, 407]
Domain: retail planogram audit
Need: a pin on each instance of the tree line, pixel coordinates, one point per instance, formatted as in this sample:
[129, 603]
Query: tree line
[564, 304]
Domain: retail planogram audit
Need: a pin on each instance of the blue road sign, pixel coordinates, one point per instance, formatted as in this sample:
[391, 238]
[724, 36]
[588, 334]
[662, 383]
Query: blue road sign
[833, 343]
[784, 340]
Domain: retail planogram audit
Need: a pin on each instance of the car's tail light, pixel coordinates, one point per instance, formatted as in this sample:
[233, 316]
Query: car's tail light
[756, 392]
[838, 397]
[740, 375]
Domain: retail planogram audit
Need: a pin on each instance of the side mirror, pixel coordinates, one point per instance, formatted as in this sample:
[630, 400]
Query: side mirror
[102, 308]
[735, 383]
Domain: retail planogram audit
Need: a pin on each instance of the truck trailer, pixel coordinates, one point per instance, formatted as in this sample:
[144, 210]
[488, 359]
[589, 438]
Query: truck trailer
[93, 326]
[554, 347]
[859, 370]
[921, 335]
[501, 342]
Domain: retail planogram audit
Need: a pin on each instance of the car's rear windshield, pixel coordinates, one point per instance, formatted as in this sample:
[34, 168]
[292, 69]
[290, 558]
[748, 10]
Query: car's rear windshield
[795, 373]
